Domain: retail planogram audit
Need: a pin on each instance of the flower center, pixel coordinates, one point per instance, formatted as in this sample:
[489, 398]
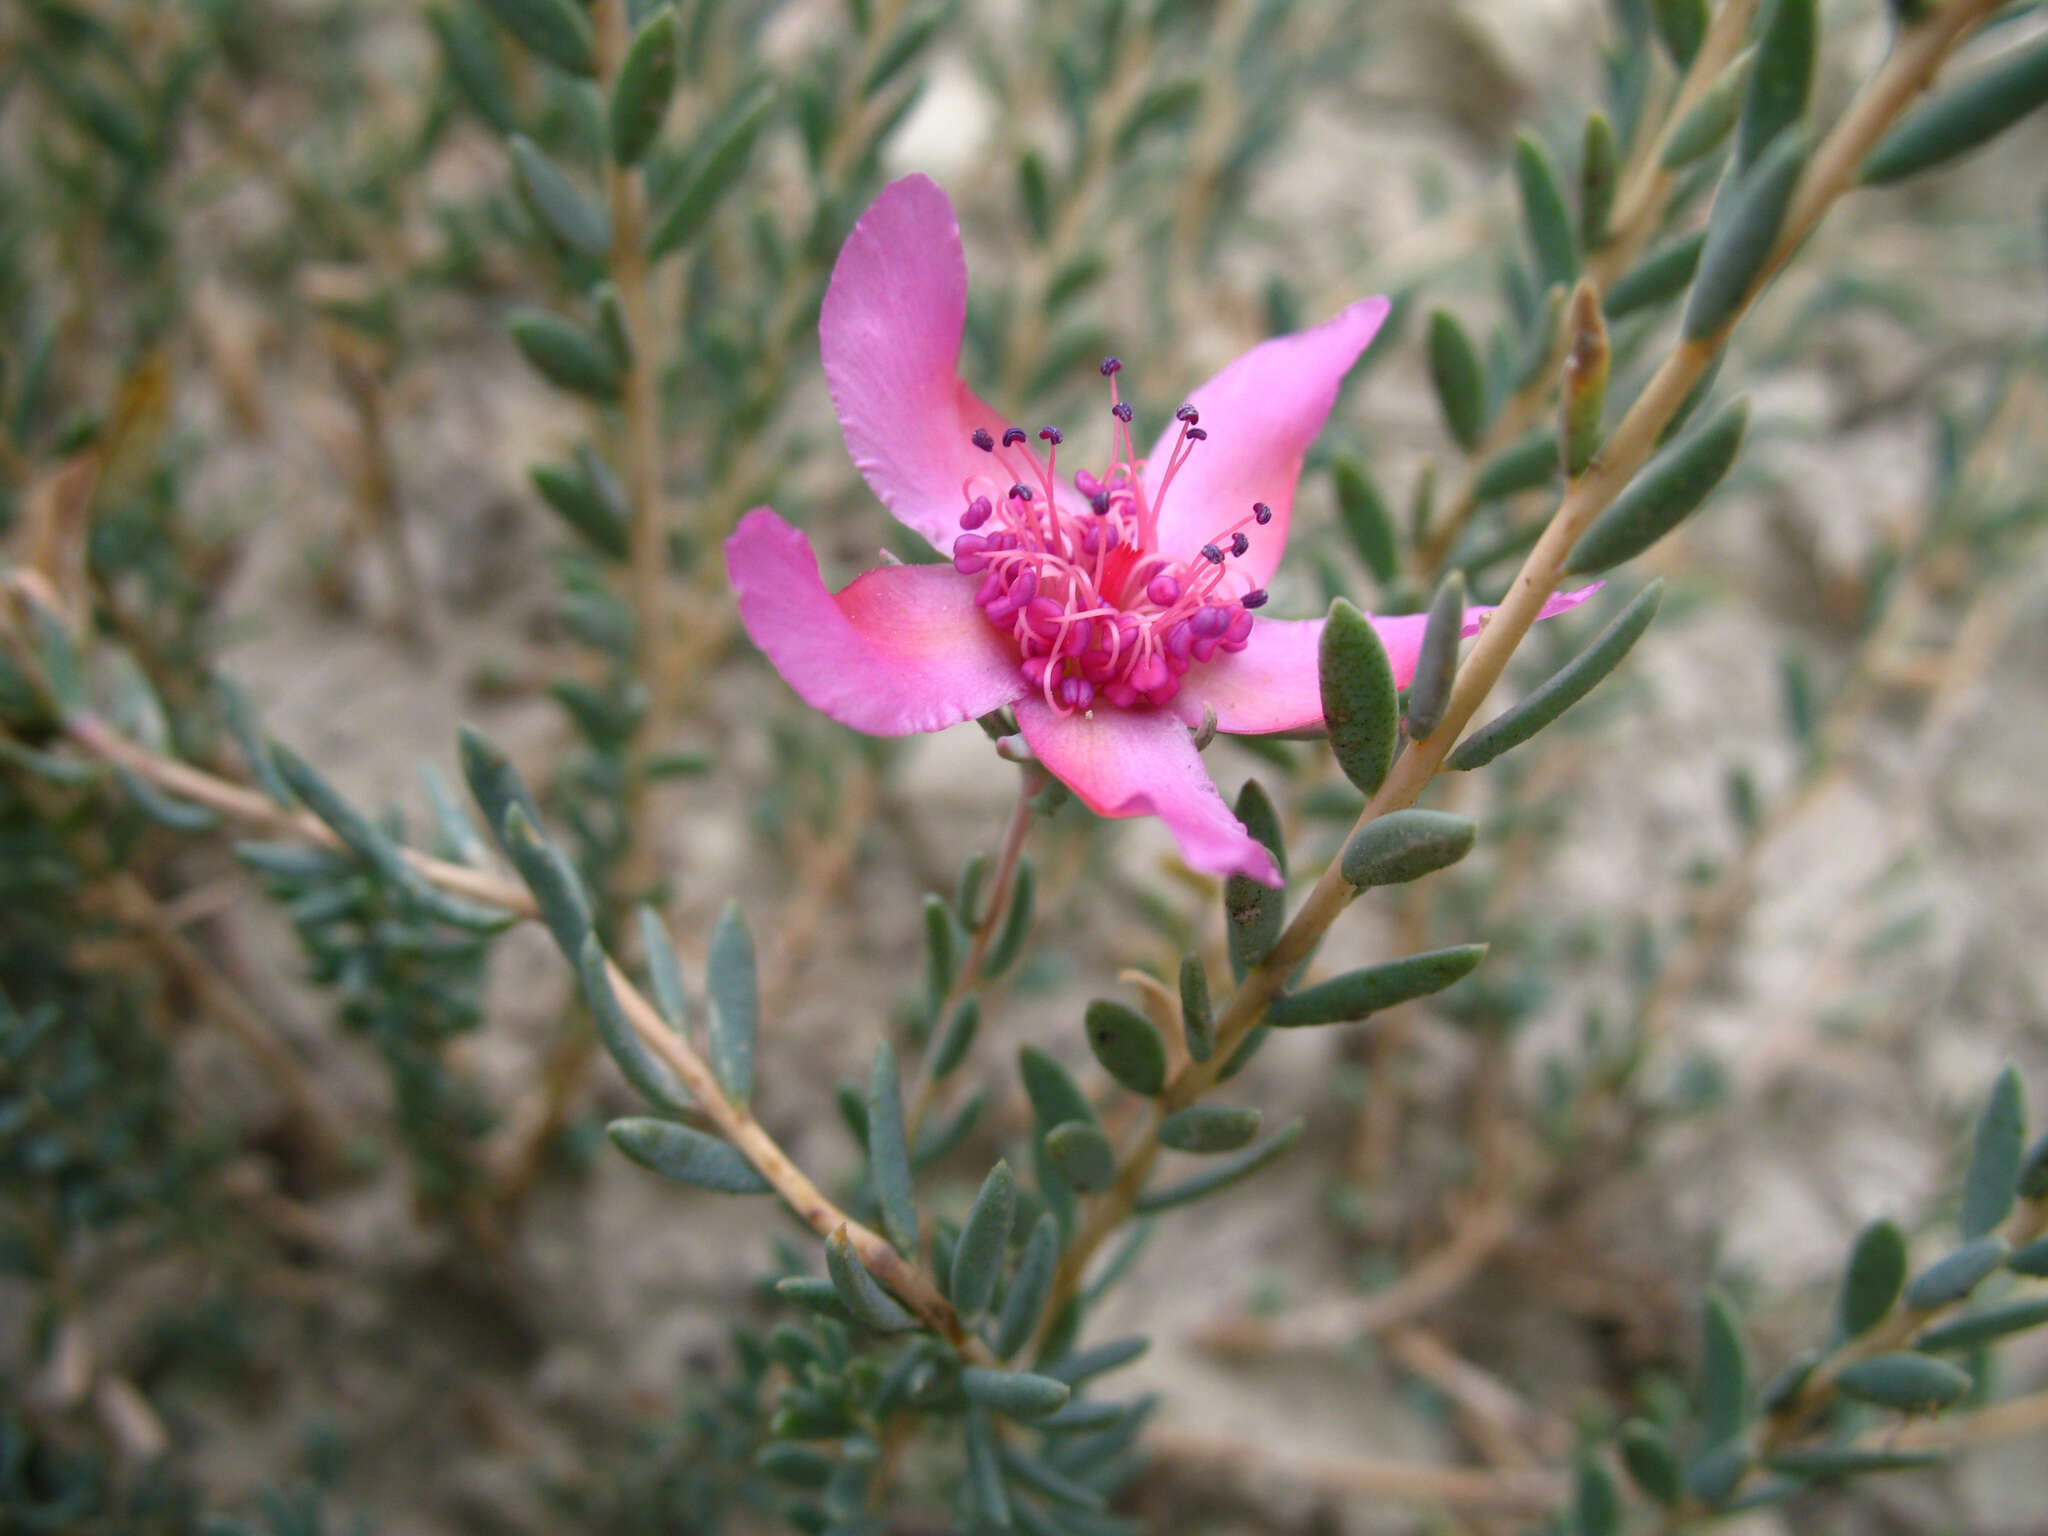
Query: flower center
[1096, 611]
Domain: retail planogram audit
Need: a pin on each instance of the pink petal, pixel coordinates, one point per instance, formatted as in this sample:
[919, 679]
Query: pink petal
[901, 649]
[1272, 684]
[1130, 762]
[889, 334]
[1261, 413]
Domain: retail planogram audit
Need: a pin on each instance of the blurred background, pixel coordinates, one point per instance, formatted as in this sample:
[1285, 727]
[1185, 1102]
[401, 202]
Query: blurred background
[302, 1213]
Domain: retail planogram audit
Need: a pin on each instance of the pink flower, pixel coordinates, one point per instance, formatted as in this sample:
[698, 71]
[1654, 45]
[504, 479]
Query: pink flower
[1109, 612]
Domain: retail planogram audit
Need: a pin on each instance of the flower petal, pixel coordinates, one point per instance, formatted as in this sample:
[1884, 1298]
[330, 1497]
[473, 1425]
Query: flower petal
[1133, 762]
[1261, 413]
[889, 335]
[901, 649]
[1274, 683]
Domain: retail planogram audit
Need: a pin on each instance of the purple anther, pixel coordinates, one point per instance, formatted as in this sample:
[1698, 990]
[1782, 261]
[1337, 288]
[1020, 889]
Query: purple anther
[1262, 512]
[1150, 673]
[1256, 598]
[1210, 621]
[1212, 554]
[1121, 411]
[1109, 366]
[984, 440]
[1012, 436]
[1240, 626]
[1021, 491]
[1164, 693]
[977, 513]
[1076, 692]
[1163, 590]
[1121, 694]
[1180, 639]
[1198, 434]
[1051, 435]
[1034, 670]
[1099, 503]
[1024, 588]
[1111, 537]
[1188, 414]
[1240, 541]
[1042, 617]
[970, 554]
[1088, 485]
[992, 587]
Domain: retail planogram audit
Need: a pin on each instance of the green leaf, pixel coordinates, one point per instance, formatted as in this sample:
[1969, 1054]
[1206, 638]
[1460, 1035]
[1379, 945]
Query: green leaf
[1571, 683]
[1357, 994]
[1198, 1019]
[1741, 232]
[938, 1137]
[576, 222]
[1545, 214]
[716, 162]
[178, 815]
[1220, 1175]
[1909, 1382]
[1034, 191]
[902, 48]
[1833, 1464]
[1982, 1327]
[889, 1151]
[798, 1466]
[2031, 1259]
[1406, 845]
[1596, 1501]
[1954, 1275]
[1360, 701]
[734, 993]
[1055, 1097]
[1529, 461]
[342, 819]
[1967, 114]
[1663, 493]
[554, 29]
[1029, 1286]
[1993, 1180]
[1256, 913]
[1460, 378]
[1016, 922]
[1055, 1485]
[473, 63]
[990, 1501]
[566, 355]
[1724, 1373]
[1128, 1046]
[650, 1076]
[859, 1291]
[1163, 106]
[1661, 275]
[1681, 27]
[1702, 129]
[1083, 1156]
[940, 959]
[1716, 1473]
[1436, 659]
[1209, 1128]
[955, 1038]
[814, 1294]
[493, 782]
[984, 1242]
[687, 1156]
[1599, 170]
[1647, 1454]
[1014, 1394]
[1099, 1360]
[1781, 79]
[1876, 1274]
[242, 723]
[646, 81]
[1367, 523]
[2033, 1176]
[580, 504]
[664, 972]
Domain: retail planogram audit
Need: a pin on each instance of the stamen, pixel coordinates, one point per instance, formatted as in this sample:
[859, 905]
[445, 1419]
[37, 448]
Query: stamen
[1012, 436]
[1262, 512]
[1239, 543]
[1212, 554]
[1197, 434]
[1051, 435]
[1256, 598]
[1122, 411]
[977, 512]
[1110, 365]
[1188, 414]
[984, 440]
[1021, 491]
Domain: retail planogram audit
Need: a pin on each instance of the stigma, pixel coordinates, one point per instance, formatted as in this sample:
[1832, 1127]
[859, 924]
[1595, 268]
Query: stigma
[1073, 574]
